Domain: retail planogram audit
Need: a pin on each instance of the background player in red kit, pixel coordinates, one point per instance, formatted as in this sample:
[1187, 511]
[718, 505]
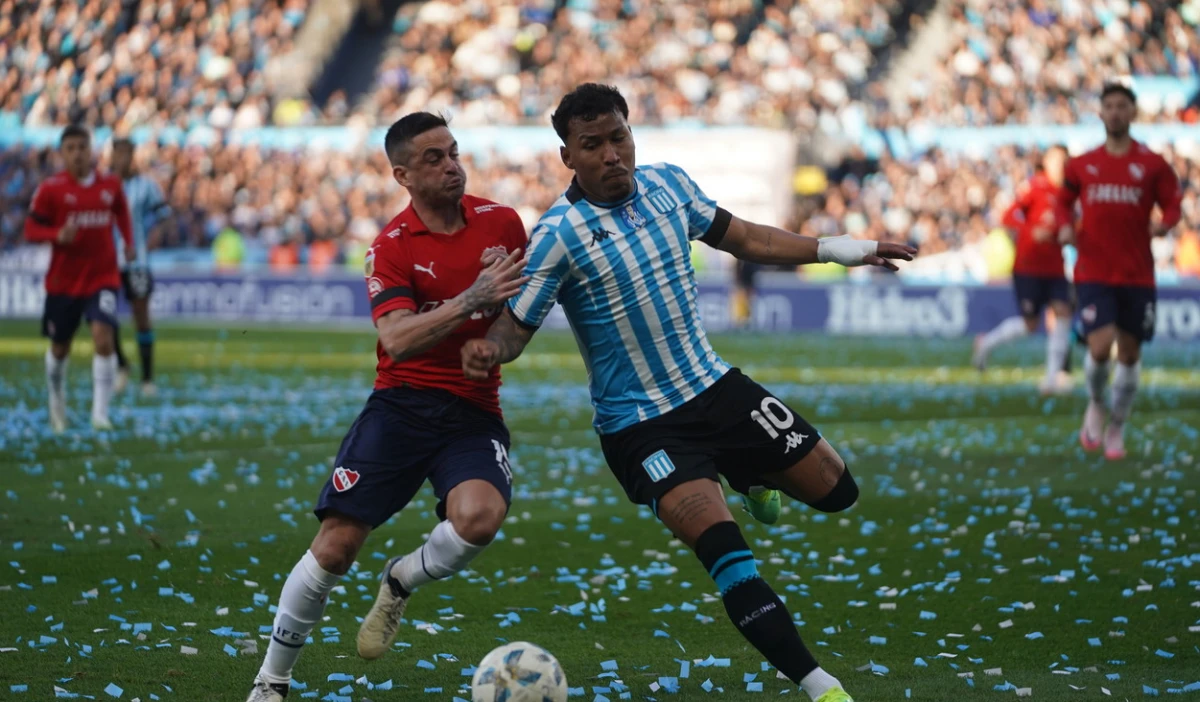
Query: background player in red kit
[1039, 277]
[1118, 185]
[75, 210]
[437, 276]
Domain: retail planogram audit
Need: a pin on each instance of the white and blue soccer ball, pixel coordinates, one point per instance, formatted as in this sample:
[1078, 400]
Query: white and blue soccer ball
[519, 672]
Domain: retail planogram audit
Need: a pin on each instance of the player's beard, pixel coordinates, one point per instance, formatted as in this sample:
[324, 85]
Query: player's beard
[1117, 132]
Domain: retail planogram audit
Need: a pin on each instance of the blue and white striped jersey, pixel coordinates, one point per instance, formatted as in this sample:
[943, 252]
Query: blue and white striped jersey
[146, 208]
[623, 274]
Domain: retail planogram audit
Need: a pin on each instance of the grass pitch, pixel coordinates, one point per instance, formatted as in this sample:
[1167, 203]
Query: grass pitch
[987, 551]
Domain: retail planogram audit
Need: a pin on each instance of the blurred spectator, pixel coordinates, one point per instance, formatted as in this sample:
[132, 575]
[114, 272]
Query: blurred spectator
[153, 63]
[229, 249]
[1032, 61]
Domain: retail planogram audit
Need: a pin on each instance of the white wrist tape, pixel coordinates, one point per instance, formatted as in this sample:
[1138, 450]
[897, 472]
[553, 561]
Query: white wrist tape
[845, 251]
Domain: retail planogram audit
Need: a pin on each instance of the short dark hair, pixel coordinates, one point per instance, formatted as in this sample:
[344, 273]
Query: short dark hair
[1118, 88]
[587, 102]
[407, 128]
[122, 143]
[74, 130]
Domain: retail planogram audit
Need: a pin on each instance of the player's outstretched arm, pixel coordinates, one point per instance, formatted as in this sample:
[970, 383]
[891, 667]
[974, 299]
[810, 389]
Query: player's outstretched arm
[504, 343]
[405, 334]
[773, 246]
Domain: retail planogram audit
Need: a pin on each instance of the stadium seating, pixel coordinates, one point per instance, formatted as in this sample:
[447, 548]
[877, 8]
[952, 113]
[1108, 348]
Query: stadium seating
[826, 69]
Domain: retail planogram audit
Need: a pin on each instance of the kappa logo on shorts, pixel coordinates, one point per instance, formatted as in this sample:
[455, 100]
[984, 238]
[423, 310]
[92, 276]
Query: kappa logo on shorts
[795, 440]
[658, 466]
[344, 478]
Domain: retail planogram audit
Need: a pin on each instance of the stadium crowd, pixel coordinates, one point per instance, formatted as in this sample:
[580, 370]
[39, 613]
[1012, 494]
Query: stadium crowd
[1037, 62]
[788, 63]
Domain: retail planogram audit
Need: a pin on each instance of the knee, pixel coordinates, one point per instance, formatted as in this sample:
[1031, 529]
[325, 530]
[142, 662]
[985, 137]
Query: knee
[843, 495]
[103, 343]
[1129, 357]
[336, 547]
[1031, 324]
[1100, 353]
[478, 523]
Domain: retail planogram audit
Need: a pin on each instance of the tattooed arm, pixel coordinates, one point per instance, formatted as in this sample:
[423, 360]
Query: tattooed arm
[405, 334]
[504, 342]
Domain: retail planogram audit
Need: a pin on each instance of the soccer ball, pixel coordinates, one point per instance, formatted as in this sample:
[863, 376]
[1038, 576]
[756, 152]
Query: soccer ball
[519, 672]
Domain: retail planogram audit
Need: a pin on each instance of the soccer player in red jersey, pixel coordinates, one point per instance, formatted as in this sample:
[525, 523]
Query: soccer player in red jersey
[1039, 276]
[1118, 186]
[75, 211]
[437, 276]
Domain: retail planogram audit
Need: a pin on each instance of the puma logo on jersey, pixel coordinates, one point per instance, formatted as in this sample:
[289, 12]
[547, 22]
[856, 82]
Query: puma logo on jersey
[424, 269]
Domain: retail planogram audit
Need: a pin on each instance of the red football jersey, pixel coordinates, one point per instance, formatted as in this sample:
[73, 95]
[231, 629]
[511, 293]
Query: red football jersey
[1118, 194]
[1037, 208]
[410, 268]
[89, 263]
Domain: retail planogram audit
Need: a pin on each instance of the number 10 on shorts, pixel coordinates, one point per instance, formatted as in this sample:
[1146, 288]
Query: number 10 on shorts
[773, 417]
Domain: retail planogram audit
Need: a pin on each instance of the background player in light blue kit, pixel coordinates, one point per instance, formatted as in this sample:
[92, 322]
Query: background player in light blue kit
[671, 414]
[148, 210]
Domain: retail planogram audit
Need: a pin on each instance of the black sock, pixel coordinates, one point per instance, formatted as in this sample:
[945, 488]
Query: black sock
[146, 351]
[1067, 360]
[122, 362]
[753, 607]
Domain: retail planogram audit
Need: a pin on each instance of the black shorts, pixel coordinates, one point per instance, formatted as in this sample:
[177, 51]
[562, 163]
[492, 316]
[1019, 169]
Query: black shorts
[137, 283]
[1130, 307]
[1034, 293]
[404, 436]
[735, 429]
[62, 313]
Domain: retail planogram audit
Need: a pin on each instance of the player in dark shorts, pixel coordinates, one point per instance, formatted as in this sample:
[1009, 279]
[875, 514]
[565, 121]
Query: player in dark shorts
[1039, 274]
[436, 276]
[673, 417]
[75, 211]
[744, 289]
[148, 211]
[1118, 186]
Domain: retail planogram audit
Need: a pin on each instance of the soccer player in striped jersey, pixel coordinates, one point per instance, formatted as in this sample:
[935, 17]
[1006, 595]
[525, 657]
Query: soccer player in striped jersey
[672, 415]
[147, 210]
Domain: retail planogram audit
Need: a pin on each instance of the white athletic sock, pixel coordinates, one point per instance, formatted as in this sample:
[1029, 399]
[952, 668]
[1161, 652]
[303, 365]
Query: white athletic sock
[301, 605]
[1006, 331]
[104, 374]
[1125, 385]
[443, 555]
[1097, 378]
[818, 683]
[56, 372]
[1057, 344]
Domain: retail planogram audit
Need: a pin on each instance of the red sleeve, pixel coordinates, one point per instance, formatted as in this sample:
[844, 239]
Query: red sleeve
[1017, 213]
[39, 224]
[120, 208]
[515, 236]
[1169, 195]
[1069, 192]
[389, 278]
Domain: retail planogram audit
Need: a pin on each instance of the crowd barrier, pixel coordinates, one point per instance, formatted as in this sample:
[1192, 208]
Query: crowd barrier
[868, 309]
